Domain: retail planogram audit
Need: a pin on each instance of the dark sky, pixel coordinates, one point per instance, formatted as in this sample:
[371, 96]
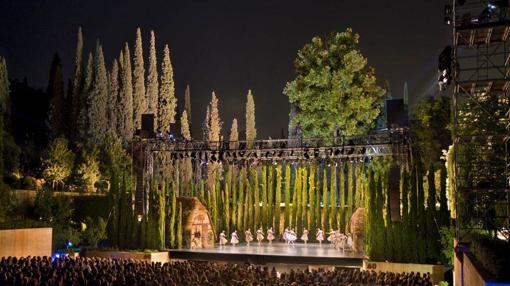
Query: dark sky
[229, 46]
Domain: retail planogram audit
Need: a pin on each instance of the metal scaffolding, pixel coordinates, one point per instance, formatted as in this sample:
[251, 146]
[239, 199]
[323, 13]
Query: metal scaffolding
[481, 81]
[393, 142]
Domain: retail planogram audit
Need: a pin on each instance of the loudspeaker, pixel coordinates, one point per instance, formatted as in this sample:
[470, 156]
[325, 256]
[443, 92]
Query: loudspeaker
[148, 124]
[396, 114]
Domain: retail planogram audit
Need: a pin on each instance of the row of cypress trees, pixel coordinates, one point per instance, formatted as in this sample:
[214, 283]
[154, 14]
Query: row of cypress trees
[300, 195]
[415, 238]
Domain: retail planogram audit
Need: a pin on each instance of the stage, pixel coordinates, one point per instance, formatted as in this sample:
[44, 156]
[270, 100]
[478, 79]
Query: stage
[310, 254]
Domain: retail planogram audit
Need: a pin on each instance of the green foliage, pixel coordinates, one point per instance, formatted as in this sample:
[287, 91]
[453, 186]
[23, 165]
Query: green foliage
[57, 161]
[334, 88]
[447, 236]
[62, 233]
[88, 170]
[286, 220]
[430, 127]
[179, 227]
[278, 199]
[94, 232]
[56, 209]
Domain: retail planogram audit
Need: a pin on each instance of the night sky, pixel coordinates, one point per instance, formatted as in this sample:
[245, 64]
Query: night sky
[229, 46]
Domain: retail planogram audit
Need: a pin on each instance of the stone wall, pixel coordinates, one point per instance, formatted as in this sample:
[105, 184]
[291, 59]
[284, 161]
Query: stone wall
[25, 242]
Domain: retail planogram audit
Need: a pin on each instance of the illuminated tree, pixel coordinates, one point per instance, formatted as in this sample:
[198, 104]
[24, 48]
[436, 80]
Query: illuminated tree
[125, 110]
[88, 169]
[215, 120]
[179, 227]
[278, 199]
[205, 124]
[113, 96]
[333, 190]
[55, 91]
[312, 198]
[98, 97]
[185, 126]
[286, 220]
[152, 79]
[57, 161]
[234, 135]
[251, 131]
[325, 203]
[334, 89]
[139, 102]
[187, 104]
[167, 101]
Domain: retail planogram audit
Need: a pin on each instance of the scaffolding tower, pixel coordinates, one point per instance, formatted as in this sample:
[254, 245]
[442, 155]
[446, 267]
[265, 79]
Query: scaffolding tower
[481, 82]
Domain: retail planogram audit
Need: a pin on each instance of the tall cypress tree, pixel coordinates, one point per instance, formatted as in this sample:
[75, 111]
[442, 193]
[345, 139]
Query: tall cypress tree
[286, 220]
[180, 234]
[325, 202]
[304, 199]
[270, 195]
[139, 102]
[251, 131]
[298, 191]
[125, 110]
[215, 122]
[265, 209]
[113, 96]
[187, 104]
[312, 199]
[98, 97]
[432, 230]
[76, 97]
[152, 79]
[333, 190]
[241, 204]
[55, 118]
[444, 214]
[82, 121]
[234, 135]
[185, 126]
[278, 199]
[256, 197]
[167, 101]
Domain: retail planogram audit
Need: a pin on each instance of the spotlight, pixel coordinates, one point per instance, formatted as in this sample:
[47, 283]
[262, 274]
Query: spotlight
[316, 153]
[448, 13]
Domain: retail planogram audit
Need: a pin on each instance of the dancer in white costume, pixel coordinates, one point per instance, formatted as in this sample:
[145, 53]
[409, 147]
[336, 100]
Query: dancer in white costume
[320, 236]
[331, 237]
[234, 239]
[286, 235]
[270, 235]
[260, 235]
[223, 238]
[248, 236]
[292, 236]
[304, 237]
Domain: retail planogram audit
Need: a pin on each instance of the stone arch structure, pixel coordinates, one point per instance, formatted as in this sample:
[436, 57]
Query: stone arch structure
[198, 230]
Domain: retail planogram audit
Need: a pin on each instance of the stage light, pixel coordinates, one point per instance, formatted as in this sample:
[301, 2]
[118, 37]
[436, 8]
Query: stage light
[316, 153]
[448, 13]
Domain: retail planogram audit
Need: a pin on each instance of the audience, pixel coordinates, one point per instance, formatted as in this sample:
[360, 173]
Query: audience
[102, 271]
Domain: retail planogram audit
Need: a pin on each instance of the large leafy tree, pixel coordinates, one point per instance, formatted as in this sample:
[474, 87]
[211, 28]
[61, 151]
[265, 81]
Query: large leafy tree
[57, 161]
[334, 88]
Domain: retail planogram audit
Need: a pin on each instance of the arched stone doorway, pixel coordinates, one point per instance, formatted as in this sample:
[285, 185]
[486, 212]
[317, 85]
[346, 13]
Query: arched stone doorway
[198, 231]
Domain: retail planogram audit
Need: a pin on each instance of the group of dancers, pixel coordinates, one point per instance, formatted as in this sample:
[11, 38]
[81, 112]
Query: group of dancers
[337, 239]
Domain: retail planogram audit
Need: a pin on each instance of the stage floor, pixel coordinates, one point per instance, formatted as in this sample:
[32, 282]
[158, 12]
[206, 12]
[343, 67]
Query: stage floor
[311, 254]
